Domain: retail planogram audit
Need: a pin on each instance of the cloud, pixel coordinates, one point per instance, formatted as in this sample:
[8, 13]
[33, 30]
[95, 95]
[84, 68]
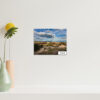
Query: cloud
[60, 32]
[60, 39]
[45, 35]
[56, 35]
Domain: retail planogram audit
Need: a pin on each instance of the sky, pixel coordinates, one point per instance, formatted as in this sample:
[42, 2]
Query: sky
[50, 35]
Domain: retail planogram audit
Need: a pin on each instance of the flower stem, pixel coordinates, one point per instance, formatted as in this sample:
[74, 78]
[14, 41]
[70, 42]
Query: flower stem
[0, 59]
[5, 50]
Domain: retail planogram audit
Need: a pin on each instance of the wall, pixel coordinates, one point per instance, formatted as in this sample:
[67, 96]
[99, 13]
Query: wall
[81, 66]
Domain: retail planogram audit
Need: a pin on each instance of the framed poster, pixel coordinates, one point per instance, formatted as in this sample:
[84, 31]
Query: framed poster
[49, 41]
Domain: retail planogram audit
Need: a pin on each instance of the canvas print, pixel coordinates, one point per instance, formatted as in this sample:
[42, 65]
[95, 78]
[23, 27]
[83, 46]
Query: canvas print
[50, 41]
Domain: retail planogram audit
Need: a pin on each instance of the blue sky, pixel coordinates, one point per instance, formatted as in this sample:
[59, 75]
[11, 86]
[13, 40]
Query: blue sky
[53, 35]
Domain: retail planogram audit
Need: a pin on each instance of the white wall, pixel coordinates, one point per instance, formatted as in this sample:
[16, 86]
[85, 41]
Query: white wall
[80, 17]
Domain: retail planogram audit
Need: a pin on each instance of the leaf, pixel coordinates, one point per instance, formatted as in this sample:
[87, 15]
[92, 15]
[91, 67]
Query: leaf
[11, 32]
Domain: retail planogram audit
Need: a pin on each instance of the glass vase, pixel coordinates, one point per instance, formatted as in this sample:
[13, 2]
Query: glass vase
[5, 81]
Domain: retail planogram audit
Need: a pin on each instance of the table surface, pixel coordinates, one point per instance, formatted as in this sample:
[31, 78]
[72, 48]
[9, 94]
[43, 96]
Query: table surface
[70, 89]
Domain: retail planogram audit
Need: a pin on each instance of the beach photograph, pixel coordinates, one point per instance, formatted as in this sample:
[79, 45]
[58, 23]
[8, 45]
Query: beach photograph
[49, 41]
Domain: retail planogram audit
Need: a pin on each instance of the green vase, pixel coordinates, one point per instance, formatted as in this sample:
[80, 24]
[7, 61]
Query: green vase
[5, 81]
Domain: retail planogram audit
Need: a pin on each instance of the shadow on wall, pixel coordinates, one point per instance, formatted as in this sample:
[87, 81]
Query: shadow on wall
[2, 32]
